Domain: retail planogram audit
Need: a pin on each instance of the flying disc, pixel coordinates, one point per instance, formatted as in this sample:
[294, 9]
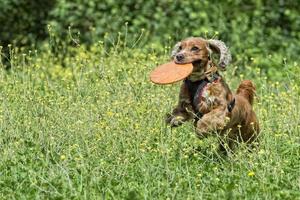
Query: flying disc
[170, 73]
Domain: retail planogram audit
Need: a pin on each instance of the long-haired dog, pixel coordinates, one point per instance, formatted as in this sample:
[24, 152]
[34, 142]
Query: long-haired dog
[205, 97]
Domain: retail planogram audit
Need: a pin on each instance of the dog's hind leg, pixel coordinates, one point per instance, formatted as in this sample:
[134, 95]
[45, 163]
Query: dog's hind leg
[226, 144]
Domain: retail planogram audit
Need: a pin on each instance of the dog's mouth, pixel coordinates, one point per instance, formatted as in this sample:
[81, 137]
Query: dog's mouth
[186, 61]
[197, 64]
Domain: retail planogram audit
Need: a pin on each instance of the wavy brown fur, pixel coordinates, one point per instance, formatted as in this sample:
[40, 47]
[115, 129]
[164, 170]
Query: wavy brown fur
[241, 123]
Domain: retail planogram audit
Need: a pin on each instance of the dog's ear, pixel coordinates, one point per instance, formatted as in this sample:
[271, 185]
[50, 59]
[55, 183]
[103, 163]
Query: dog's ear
[219, 47]
[175, 49]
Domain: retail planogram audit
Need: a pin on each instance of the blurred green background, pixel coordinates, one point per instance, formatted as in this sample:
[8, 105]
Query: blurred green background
[252, 29]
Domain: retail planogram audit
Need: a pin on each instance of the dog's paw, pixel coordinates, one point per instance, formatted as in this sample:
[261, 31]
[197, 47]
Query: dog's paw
[202, 131]
[174, 120]
[201, 134]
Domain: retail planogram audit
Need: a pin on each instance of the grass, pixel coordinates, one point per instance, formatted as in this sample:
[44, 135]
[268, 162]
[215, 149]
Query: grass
[95, 130]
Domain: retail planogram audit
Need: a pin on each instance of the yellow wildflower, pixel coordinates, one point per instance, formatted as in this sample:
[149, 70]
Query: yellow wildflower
[251, 173]
[62, 157]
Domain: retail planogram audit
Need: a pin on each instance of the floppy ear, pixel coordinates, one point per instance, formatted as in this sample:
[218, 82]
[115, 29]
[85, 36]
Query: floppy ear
[219, 47]
[175, 49]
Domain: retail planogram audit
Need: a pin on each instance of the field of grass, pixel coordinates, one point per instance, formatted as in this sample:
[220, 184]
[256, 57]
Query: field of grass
[95, 130]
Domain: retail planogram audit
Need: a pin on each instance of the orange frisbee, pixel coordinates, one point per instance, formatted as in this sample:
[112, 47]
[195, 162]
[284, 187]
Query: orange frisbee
[170, 73]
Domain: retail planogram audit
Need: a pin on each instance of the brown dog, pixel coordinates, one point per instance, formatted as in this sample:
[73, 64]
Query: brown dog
[205, 97]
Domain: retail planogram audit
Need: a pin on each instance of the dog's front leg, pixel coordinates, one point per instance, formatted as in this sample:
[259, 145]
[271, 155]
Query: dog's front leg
[213, 121]
[182, 112]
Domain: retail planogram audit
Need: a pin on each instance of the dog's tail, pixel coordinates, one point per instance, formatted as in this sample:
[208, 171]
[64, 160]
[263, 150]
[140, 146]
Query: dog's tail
[247, 90]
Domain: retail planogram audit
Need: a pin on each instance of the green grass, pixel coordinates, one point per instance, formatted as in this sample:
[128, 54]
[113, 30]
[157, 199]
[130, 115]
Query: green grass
[95, 129]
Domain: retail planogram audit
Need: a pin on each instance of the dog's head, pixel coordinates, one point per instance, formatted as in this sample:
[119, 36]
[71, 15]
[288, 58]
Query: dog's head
[198, 51]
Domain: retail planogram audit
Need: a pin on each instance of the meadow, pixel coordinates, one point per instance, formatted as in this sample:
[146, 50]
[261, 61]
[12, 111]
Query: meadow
[95, 130]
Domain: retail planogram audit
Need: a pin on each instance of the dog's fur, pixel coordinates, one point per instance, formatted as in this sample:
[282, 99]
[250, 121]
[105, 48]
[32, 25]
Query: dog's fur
[238, 124]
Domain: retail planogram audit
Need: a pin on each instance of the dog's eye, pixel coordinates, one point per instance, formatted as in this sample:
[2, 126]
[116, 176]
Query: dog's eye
[179, 48]
[195, 48]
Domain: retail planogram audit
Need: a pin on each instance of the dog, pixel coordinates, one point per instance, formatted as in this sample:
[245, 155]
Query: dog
[205, 97]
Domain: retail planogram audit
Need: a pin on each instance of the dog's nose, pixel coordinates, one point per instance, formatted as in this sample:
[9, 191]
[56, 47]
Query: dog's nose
[179, 57]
